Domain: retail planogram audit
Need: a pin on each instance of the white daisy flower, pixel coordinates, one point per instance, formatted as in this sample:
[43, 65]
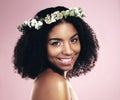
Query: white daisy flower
[33, 22]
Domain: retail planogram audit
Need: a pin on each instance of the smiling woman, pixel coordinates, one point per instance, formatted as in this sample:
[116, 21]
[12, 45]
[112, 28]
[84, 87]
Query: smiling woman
[63, 46]
[57, 44]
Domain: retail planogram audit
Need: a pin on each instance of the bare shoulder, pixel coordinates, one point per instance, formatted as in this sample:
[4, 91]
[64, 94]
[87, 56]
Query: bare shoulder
[50, 86]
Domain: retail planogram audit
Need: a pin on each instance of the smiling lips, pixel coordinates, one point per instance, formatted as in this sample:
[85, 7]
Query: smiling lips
[65, 61]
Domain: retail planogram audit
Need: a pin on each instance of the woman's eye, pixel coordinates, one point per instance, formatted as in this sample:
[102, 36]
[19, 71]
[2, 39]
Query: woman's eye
[55, 43]
[74, 40]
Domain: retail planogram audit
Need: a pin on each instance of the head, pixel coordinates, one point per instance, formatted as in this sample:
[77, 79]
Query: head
[68, 44]
[63, 46]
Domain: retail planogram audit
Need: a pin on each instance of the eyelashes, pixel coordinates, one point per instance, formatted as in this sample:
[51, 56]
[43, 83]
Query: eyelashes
[57, 43]
[74, 40]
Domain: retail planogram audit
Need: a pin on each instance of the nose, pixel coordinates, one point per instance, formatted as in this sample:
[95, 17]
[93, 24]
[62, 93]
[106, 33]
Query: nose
[67, 49]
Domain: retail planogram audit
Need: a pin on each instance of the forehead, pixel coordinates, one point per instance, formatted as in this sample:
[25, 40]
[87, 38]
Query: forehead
[62, 30]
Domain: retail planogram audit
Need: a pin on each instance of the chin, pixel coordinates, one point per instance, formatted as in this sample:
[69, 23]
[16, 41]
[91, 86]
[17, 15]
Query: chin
[66, 68]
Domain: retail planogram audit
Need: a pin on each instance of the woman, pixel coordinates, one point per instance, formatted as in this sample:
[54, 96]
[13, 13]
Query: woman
[57, 44]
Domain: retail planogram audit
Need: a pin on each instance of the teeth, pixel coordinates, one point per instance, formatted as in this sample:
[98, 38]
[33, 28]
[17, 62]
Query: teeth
[66, 60]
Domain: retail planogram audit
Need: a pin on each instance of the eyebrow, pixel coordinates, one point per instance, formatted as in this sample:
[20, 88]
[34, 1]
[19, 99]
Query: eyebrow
[76, 34]
[61, 39]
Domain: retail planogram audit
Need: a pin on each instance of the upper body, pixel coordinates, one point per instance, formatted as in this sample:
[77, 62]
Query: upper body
[63, 49]
[57, 44]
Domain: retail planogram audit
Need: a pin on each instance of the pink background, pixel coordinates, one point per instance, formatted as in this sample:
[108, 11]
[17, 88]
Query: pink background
[102, 83]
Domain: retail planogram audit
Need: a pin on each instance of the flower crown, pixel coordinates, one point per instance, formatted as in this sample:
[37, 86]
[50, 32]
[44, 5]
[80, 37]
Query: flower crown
[50, 18]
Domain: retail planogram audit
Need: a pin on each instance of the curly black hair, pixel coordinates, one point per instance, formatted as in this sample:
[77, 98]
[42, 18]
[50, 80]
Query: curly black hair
[30, 53]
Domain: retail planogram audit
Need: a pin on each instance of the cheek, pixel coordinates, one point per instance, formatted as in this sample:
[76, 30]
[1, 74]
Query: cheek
[53, 52]
[77, 48]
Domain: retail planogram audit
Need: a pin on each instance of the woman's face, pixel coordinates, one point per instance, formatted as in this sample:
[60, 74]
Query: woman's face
[63, 46]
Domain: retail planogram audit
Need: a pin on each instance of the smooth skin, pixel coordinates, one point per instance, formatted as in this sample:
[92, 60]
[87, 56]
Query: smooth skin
[63, 49]
[63, 46]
